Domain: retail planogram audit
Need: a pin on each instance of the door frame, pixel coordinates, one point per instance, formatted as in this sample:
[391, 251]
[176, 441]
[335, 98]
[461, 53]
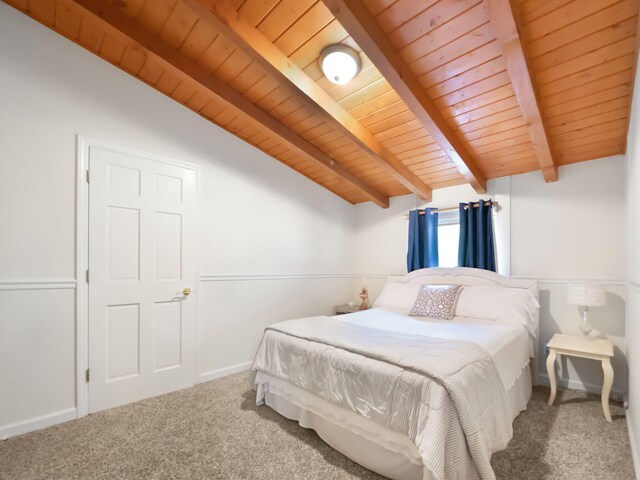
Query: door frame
[83, 144]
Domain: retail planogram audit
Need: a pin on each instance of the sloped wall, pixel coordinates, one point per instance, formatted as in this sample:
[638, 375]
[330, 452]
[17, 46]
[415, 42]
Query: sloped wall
[273, 245]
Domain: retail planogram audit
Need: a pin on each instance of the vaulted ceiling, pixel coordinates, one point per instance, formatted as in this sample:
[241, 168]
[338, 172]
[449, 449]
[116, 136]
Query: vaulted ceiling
[450, 91]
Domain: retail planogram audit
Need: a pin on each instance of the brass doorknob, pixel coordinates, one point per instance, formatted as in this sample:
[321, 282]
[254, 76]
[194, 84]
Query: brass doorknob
[186, 291]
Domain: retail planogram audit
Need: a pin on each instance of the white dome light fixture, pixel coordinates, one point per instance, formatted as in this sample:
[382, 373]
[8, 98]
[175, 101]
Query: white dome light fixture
[339, 63]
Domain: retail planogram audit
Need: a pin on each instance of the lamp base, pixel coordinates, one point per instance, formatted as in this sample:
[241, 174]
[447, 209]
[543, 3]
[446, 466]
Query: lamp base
[585, 327]
[364, 295]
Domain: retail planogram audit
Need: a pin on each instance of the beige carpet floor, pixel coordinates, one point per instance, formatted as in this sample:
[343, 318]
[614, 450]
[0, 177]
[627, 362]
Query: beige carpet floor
[215, 431]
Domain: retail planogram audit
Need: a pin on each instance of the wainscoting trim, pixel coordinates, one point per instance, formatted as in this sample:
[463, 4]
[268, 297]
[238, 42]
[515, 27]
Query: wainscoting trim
[634, 286]
[246, 278]
[223, 372]
[65, 284]
[37, 284]
[602, 281]
[37, 423]
[550, 280]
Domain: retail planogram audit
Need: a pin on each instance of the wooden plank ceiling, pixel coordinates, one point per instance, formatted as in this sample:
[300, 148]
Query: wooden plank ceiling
[450, 91]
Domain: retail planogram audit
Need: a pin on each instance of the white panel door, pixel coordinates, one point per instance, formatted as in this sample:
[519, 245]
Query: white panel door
[142, 255]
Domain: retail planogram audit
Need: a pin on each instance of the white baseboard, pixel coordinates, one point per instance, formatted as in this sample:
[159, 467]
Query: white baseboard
[223, 372]
[633, 444]
[37, 423]
[616, 394]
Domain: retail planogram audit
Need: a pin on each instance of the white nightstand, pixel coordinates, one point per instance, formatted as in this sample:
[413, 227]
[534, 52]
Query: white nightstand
[585, 347]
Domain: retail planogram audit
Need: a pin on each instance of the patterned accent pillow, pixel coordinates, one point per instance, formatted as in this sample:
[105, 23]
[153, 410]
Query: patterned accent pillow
[436, 301]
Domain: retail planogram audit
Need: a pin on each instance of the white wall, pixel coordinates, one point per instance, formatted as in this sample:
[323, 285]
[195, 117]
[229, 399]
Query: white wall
[273, 244]
[633, 276]
[570, 230]
[573, 230]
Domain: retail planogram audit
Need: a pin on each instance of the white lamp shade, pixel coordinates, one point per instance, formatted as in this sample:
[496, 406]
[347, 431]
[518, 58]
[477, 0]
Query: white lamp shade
[339, 63]
[586, 295]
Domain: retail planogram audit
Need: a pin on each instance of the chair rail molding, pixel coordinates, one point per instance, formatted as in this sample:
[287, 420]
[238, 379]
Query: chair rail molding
[38, 284]
[542, 280]
[557, 280]
[285, 276]
[633, 285]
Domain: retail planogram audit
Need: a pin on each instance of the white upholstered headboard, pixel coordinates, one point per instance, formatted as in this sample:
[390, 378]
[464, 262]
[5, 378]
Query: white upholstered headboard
[466, 276]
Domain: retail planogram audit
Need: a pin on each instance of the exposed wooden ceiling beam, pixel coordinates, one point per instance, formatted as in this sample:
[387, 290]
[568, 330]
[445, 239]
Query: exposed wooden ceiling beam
[503, 21]
[227, 21]
[356, 18]
[129, 31]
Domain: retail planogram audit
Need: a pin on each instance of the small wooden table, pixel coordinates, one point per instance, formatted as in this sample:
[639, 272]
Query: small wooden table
[585, 347]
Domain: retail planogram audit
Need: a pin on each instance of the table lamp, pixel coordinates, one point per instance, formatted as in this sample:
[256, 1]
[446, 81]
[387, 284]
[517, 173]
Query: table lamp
[586, 295]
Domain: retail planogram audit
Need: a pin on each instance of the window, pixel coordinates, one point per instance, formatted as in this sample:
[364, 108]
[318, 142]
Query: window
[448, 237]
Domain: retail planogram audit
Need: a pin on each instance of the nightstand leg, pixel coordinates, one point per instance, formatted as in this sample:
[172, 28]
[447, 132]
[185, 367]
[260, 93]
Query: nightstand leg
[606, 387]
[551, 371]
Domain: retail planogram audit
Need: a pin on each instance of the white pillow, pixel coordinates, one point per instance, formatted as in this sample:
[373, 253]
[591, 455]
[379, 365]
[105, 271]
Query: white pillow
[398, 296]
[499, 303]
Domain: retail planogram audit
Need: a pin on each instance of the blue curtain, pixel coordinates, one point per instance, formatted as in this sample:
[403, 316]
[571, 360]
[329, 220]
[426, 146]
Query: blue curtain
[423, 239]
[476, 248]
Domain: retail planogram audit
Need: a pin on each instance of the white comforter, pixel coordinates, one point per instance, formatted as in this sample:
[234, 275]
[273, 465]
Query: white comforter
[447, 396]
[509, 344]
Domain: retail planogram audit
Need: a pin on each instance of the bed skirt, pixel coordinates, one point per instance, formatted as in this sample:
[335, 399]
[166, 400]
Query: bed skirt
[388, 453]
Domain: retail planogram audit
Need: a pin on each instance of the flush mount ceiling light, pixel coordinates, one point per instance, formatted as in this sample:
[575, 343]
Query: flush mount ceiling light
[339, 63]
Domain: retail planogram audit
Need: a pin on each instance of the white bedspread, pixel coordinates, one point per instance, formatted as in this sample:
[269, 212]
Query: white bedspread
[509, 344]
[447, 396]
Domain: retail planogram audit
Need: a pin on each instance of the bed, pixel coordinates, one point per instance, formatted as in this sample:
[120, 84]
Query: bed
[409, 397]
